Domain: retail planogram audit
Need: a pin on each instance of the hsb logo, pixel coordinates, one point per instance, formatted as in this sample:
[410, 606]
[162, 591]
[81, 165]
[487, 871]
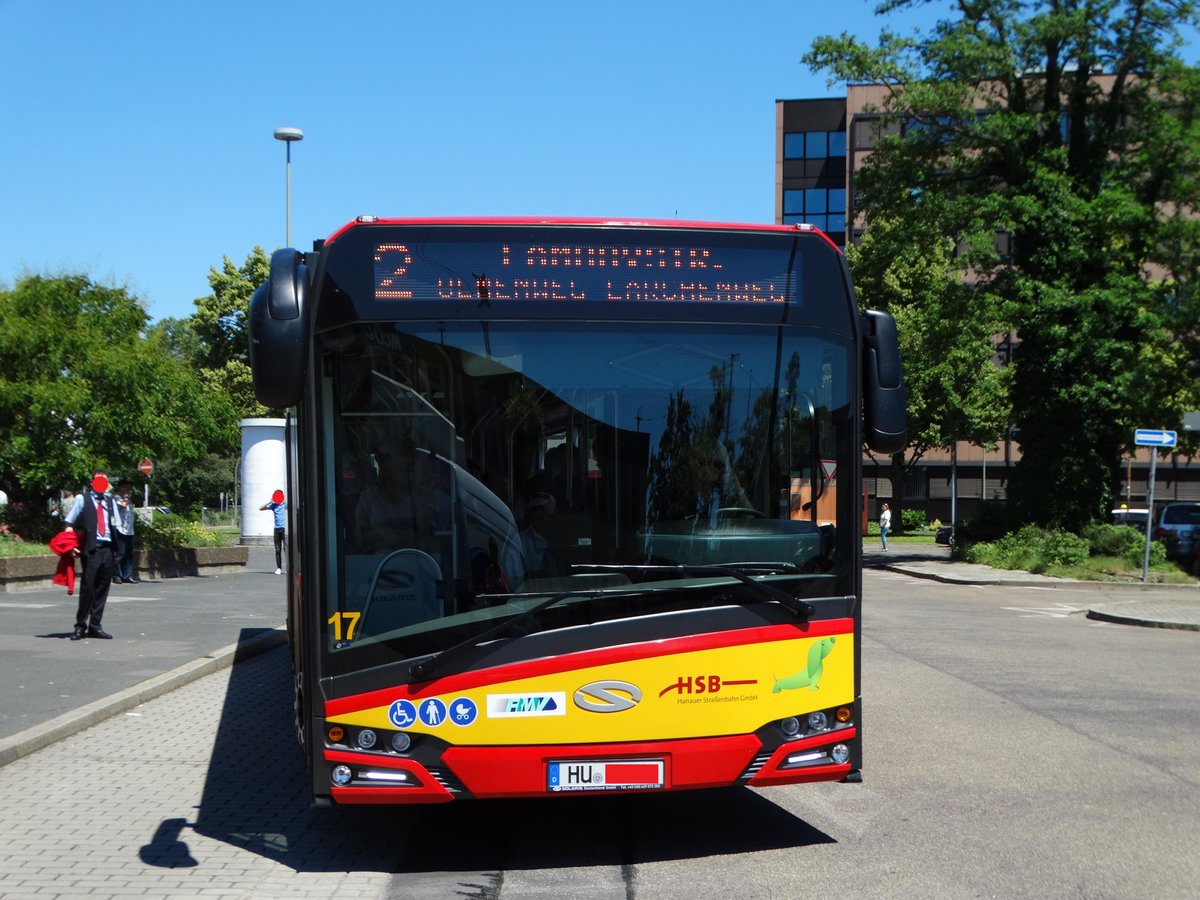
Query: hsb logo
[702, 684]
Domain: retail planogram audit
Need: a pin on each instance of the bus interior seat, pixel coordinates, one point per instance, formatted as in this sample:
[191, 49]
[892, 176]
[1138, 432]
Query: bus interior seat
[405, 590]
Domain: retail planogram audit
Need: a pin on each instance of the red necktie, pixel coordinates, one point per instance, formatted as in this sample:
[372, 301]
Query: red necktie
[100, 517]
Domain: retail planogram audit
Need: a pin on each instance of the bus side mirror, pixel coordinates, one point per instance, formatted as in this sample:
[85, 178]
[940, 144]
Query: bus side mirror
[279, 331]
[885, 418]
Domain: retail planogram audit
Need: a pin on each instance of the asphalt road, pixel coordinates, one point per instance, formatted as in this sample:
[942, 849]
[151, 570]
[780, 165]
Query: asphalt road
[158, 627]
[1014, 748]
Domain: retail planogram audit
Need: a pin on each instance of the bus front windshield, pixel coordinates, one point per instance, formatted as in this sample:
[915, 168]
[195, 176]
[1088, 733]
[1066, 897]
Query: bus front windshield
[478, 468]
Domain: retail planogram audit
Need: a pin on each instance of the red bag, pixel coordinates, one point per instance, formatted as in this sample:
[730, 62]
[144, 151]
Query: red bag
[65, 544]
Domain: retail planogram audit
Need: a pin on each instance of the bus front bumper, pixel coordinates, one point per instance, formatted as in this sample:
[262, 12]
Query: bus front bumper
[488, 772]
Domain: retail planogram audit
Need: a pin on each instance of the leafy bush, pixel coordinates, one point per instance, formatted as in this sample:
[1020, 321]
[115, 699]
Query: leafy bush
[1031, 549]
[1009, 551]
[1111, 540]
[912, 519]
[168, 532]
[1119, 541]
[1124, 543]
[1062, 548]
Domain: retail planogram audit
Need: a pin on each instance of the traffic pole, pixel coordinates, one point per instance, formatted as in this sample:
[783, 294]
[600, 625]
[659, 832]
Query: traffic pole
[1149, 516]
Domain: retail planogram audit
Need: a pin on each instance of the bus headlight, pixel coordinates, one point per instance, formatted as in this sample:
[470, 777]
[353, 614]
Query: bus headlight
[341, 775]
[818, 721]
[840, 753]
[401, 742]
[790, 726]
[366, 739]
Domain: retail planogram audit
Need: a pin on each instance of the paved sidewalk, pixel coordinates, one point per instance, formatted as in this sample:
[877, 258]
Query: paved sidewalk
[167, 633]
[1131, 603]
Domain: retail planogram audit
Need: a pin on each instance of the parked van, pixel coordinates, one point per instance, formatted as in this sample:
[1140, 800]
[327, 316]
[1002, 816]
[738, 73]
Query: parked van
[1176, 525]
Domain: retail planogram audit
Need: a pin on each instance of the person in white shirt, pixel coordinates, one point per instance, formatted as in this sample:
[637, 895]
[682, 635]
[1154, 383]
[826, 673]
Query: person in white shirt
[92, 516]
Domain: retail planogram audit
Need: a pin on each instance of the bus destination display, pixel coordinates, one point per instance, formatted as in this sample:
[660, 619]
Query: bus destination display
[577, 271]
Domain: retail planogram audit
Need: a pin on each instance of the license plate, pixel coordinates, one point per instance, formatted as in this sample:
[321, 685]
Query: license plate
[605, 775]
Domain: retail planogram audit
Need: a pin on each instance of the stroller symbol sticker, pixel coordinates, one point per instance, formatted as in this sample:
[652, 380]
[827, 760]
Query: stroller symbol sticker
[463, 711]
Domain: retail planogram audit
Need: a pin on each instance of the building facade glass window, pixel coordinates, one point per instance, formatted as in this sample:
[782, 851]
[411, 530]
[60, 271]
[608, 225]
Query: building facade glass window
[823, 207]
[814, 145]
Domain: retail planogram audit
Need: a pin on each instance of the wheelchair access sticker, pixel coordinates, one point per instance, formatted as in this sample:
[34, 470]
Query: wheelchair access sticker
[402, 714]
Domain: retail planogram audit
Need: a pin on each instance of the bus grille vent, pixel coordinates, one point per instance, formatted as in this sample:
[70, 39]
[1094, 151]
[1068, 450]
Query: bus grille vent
[448, 781]
[755, 765]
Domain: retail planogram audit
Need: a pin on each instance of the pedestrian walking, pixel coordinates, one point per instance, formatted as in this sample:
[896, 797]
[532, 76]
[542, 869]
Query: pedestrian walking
[885, 524]
[92, 516]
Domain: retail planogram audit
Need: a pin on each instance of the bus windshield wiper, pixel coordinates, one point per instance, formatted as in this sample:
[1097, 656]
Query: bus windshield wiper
[761, 590]
[426, 666]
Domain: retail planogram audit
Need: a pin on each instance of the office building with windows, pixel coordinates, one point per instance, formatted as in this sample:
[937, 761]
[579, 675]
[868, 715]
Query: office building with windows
[819, 146]
[811, 167]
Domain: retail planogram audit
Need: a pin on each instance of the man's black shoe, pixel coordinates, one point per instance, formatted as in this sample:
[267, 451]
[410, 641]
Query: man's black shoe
[99, 633]
[78, 634]
[116, 581]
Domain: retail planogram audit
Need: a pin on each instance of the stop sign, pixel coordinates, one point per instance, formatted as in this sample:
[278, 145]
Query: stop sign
[146, 467]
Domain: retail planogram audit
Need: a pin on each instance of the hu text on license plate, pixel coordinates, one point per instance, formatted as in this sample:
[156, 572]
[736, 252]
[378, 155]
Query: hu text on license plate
[604, 775]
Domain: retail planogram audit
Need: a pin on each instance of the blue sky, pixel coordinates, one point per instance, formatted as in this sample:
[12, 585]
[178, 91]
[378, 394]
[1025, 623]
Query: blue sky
[136, 136]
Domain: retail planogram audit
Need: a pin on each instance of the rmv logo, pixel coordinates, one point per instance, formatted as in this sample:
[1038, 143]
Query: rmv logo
[509, 706]
[532, 705]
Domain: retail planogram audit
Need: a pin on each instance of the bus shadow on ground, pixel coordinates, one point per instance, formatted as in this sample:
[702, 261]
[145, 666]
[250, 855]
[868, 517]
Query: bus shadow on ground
[255, 798]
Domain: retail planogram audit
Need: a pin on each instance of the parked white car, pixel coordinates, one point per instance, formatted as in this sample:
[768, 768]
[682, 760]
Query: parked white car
[1135, 518]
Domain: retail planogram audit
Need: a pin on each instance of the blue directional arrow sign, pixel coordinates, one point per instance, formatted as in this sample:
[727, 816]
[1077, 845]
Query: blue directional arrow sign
[1152, 437]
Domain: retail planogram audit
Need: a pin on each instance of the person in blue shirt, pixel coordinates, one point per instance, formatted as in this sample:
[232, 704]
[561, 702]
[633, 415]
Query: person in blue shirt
[278, 506]
[93, 517]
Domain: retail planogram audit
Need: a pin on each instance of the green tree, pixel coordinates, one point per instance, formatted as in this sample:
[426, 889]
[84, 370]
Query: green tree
[220, 326]
[955, 389]
[84, 383]
[1065, 128]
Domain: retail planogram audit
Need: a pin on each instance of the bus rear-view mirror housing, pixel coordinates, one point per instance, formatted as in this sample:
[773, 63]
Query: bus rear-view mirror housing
[885, 425]
[279, 331]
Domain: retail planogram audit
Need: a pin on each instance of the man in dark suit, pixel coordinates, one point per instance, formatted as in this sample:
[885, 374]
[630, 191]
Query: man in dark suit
[92, 517]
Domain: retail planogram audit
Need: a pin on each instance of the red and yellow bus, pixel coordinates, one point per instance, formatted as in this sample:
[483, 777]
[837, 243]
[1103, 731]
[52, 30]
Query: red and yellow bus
[574, 504]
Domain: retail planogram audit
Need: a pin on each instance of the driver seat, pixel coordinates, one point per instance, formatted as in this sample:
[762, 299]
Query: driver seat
[405, 590]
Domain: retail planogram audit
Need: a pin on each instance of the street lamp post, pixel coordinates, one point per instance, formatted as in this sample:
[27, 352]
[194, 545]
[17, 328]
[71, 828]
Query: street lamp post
[288, 135]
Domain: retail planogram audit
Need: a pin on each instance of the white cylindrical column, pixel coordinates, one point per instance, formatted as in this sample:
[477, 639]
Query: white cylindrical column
[264, 471]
